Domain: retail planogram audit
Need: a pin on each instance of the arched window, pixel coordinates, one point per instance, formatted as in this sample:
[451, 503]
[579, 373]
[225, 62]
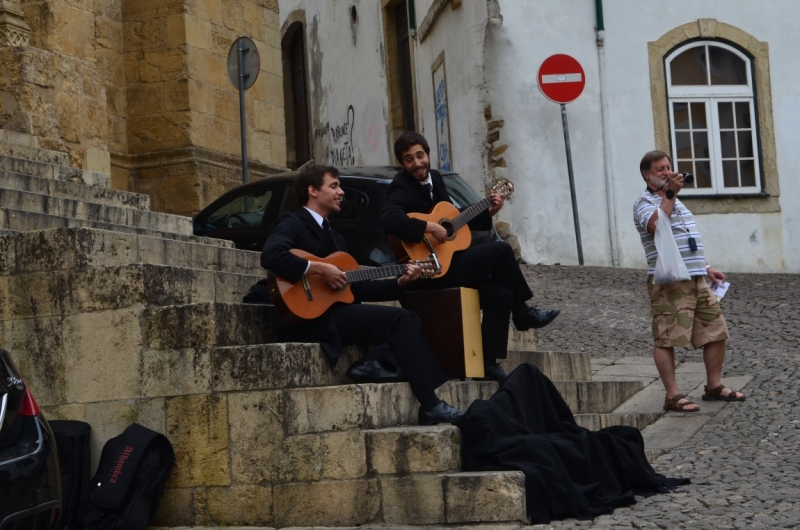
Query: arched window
[712, 116]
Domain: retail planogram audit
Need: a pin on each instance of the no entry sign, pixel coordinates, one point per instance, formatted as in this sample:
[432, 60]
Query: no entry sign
[561, 78]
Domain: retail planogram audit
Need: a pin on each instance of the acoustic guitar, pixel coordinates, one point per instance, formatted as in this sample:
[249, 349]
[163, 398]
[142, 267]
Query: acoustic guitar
[458, 235]
[310, 297]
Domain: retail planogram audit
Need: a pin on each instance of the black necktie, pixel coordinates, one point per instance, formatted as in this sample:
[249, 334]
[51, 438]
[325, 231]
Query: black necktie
[429, 189]
[326, 228]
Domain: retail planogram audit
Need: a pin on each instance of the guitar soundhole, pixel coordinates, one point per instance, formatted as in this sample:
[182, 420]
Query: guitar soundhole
[449, 227]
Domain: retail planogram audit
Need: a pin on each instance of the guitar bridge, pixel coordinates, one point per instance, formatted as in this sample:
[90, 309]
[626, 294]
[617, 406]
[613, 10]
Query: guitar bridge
[307, 289]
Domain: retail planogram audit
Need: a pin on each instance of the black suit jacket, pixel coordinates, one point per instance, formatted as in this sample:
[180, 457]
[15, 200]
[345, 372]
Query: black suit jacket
[300, 230]
[406, 195]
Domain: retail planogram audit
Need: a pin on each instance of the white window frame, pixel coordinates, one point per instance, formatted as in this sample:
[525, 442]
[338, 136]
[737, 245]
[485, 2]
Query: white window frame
[711, 95]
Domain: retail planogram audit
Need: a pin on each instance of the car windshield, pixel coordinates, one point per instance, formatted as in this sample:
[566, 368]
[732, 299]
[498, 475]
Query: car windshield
[460, 192]
[245, 210]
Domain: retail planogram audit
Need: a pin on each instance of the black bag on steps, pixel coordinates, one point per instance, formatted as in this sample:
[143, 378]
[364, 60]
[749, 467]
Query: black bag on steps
[72, 441]
[125, 491]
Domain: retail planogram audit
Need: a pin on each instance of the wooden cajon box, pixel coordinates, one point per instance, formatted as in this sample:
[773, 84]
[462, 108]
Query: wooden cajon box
[451, 325]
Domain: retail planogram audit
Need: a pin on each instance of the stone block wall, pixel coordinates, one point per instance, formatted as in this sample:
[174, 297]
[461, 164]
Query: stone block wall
[144, 83]
[183, 131]
[54, 88]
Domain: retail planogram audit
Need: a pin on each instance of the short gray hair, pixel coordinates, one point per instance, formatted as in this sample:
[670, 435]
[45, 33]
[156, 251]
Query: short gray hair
[650, 157]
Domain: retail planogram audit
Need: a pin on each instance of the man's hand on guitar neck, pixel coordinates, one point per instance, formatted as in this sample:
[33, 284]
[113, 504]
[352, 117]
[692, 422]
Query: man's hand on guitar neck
[437, 231]
[331, 274]
[412, 273]
[497, 203]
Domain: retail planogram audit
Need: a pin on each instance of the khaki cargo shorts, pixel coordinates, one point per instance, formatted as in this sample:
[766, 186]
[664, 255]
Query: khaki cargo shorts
[685, 313]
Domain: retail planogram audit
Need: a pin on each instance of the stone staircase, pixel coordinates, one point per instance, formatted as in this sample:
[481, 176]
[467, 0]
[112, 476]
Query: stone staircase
[119, 315]
[38, 190]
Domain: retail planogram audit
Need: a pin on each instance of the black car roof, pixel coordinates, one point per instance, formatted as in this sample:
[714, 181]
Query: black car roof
[370, 172]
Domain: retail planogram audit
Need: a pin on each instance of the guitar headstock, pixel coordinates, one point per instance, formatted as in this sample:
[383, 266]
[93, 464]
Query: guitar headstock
[429, 267]
[505, 188]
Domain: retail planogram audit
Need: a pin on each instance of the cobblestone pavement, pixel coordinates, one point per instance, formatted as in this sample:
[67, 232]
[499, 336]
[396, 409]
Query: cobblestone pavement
[744, 464]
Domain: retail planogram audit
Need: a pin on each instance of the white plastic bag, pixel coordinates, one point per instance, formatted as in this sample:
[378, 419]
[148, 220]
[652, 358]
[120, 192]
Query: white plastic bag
[669, 264]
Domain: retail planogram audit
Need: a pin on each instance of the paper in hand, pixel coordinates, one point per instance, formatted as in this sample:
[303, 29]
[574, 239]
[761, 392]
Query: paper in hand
[720, 289]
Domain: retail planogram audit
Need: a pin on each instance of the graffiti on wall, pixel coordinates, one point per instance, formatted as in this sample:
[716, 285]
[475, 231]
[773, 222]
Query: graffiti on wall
[442, 119]
[337, 140]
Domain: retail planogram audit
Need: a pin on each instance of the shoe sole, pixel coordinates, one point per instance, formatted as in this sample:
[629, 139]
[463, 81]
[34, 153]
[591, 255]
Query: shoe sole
[369, 380]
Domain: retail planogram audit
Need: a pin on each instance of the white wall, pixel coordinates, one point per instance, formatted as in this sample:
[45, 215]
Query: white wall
[460, 33]
[541, 211]
[346, 68]
[534, 30]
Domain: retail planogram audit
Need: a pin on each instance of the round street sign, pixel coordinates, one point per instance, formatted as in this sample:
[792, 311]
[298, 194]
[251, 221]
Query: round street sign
[250, 58]
[561, 78]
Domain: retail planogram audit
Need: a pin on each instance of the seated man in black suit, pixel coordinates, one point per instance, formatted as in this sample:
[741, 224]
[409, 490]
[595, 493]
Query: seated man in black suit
[490, 268]
[398, 330]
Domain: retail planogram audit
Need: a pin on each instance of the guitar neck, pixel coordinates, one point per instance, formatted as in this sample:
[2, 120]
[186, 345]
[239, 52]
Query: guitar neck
[471, 213]
[376, 273]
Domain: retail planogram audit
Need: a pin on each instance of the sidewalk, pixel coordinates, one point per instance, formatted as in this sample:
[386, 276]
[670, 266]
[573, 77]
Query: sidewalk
[742, 458]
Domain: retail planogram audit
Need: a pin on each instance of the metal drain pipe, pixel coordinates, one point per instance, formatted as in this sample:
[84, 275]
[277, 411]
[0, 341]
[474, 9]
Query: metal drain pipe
[601, 61]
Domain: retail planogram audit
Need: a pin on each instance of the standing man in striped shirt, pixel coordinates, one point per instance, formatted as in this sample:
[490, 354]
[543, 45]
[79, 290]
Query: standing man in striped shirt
[685, 312]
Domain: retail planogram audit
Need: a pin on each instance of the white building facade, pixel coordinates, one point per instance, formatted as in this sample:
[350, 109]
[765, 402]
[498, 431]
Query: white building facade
[712, 82]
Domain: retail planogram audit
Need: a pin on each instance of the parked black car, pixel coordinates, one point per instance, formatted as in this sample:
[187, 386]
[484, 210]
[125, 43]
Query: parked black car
[247, 214]
[30, 484]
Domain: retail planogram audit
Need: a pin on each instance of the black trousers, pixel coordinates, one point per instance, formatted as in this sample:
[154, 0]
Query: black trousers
[372, 325]
[491, 269]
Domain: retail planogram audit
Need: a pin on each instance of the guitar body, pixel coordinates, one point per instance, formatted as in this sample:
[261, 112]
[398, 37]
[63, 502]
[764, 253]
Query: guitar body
[292, 299]
[441, 214]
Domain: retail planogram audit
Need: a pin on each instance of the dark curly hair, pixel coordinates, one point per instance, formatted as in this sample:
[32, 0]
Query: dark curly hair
[408, 140]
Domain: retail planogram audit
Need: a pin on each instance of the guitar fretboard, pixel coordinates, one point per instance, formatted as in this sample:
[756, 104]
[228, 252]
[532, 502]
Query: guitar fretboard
[375, 273]
[470, 213]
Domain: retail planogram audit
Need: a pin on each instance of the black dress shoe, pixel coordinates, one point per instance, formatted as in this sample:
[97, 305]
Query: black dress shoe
[371, 372]
[494, 372]
[533, 318]
[441, 413]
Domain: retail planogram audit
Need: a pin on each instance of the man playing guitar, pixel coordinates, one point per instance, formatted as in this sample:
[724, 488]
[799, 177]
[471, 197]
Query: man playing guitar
[490, 268]
[391, 328]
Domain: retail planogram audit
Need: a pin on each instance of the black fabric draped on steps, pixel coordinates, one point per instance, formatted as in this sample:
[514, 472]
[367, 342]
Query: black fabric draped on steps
[569, 471]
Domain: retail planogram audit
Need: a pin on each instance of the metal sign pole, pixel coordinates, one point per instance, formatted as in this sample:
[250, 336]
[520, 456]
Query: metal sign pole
[572, 184]
[242, 75]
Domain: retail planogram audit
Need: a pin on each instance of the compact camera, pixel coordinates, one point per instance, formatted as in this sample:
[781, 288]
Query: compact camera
[688, 178]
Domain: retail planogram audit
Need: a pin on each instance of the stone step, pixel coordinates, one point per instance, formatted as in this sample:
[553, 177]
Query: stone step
[79, 209]
[17, 221]
[55, 172]
[58, 293]
[449, 498]
[86, 248]
[33, 153]
[494, 497]
[595, 422]
[555, 365]
[596, 396]
[18, 138]
[73, 190]
[404, 450]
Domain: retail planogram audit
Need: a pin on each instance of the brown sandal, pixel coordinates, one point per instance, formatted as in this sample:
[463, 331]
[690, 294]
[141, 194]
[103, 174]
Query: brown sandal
[715, 394]
[671, 403]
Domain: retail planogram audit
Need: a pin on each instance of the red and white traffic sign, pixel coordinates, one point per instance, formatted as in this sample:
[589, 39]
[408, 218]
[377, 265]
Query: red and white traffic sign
[561, 78]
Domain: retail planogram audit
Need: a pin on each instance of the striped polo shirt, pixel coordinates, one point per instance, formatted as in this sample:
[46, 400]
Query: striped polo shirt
[683, 227]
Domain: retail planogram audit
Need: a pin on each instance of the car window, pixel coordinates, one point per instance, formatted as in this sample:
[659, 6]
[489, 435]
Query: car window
[460, 193]
[244, 210]
[353, 205]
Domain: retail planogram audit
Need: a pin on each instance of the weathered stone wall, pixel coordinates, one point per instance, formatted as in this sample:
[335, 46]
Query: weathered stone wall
[183, 132]
[145, 83]
[54, 88]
